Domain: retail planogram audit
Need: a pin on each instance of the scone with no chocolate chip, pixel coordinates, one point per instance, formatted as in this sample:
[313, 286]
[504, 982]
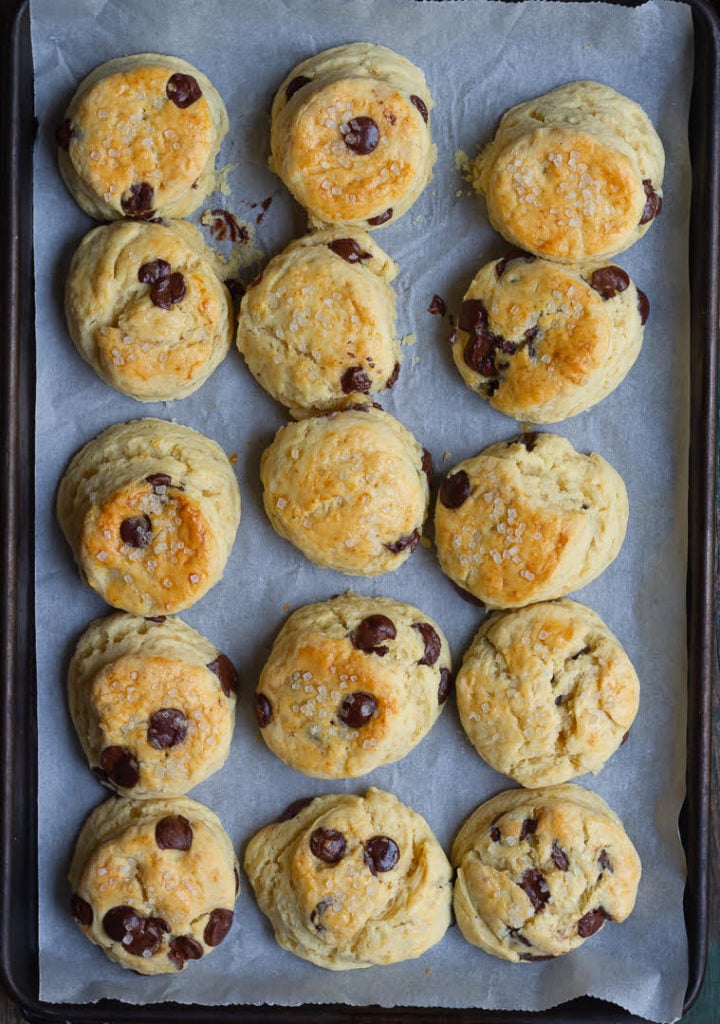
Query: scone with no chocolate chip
[539, 871]
[529, 520]
[350, 135]
[150, 510]
[350, 881]
[317, 329]
[575, 174]
[352, 683]
[349, 489]
[154, 882]
[153, 703]
[140, 137]
[546, 693]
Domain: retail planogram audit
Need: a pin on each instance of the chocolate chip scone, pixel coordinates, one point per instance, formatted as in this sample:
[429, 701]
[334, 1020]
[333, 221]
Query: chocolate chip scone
[349, 489]
[546, 693]
[575, 174]
[154, 882]
[153, 703]
[543, 342]
[350, 135]
[351, 684]
[140, 137]
[146, 309]
[150, 510]
[350, 881]
[317, 329]
[529, 520]
[540, 871]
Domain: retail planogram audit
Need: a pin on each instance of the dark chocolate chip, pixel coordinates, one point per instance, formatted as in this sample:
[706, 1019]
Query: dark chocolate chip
[592, 922]
[183, 90]
[174, 833]
[158, 480]
[168, 291]
[445, 685]
[625, 738]
[141, 936]
[437, 306]
[653, 203]
[317, 913]
[530, 334]
[381, 854]
[237, 880]
[81, 911]
[392, 379]
[328, 845]
[528, 828]
[64, 133]
[382, 218]
[495, 834]
[136, 531]
[516, 254]
[403, 543]
[558, 856]
[580, 653]
[433, 643]
[643, 306]
[138, 201]
[479, 352]
[455, 489]
[609, 281]
[529, 439]
[156, 618]
[519, 937]
[263, 710]
[535, 888]
[467, 596]
[297, 83]
[363, 136]
[348, 249]
[427, 466]
[293, 809]
[422, 107]
[226, 227]
[357, 709]
[605, 862]
[183, 948]
[166, 728]
[264, 207]
[355, 379]
[225, 671]
[532, 958]
[154, 271]
[473, 316]
[371, 632]
[218, 926]
[120, 766]
[559, 699]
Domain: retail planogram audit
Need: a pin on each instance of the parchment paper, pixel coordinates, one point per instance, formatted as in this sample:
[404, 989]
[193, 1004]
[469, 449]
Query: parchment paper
[479, 58]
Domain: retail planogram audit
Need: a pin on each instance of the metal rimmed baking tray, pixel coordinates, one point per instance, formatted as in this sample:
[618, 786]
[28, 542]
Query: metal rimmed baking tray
[21, 751]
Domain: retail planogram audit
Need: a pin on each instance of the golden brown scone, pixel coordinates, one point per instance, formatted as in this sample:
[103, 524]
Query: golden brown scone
[546, 693]
[146, 309]
[575, 174]
[543, 342]
[349, 489]
[140, 138]
[350, 881]
[350, 135]
[153, 703]
[154, 882]
[539, 871]
[150, 510]
[317, 329]
[351, 684]
[529, 520]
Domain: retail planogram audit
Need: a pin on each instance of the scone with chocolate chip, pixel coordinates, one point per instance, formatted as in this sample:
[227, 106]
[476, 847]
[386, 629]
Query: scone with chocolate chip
[349, 489]
[153, 704]
[351, 684]
[529, 520]
[575, 174]
[543, 342]
[140, 138]
[546, 693]
[539, 871]
[317, 329]
[350, 135]
[154, 882]
[350, 881]
[150, 510]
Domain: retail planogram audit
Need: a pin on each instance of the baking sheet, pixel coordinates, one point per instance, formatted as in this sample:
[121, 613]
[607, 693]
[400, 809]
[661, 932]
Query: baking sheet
[479, 58]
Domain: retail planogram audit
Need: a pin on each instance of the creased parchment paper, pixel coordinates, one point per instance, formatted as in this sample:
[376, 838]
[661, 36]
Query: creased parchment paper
[479, 58]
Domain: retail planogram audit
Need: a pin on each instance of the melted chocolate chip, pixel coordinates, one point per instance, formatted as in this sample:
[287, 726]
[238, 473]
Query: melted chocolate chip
[479, 353]
[183, 90]
[421, 106]
[224, 669]
[218, 926]
[81, 911]
[371, 632]
[293, 809]
[433, 643]
[467, 596]
[139, 935]
[158, 480]
[182, 948]
[382, 218]
[348, 249]
[166, 728]
[516, 254]
[519, 937]
[579, 654]
[535, 888]
[120, 766]
[168, 291]
[530, 334]
[653, 203]
[136, 531]
[473, 316]
[455, 489]
[528, 828]
[64, 133]
[156, 618]
[297, 83]
[237, 880]
[559, 699]
[392, 379]
[226, 227]
[154, 271]
[445, 685]
[531, 957]
[355, 379]
[427, 466]
[317, 913]
[609, 281]
[437, 306]
[381, 854]
[495, 834]
[605, 862]
[529, 439]
[625, 738]
[263, 710]
[357, 709]
[138, 201]
[402, 543]
[174, 833]
[558, 856]
[592, 922]
[363, 136]
[643, 306]
[328, 845]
